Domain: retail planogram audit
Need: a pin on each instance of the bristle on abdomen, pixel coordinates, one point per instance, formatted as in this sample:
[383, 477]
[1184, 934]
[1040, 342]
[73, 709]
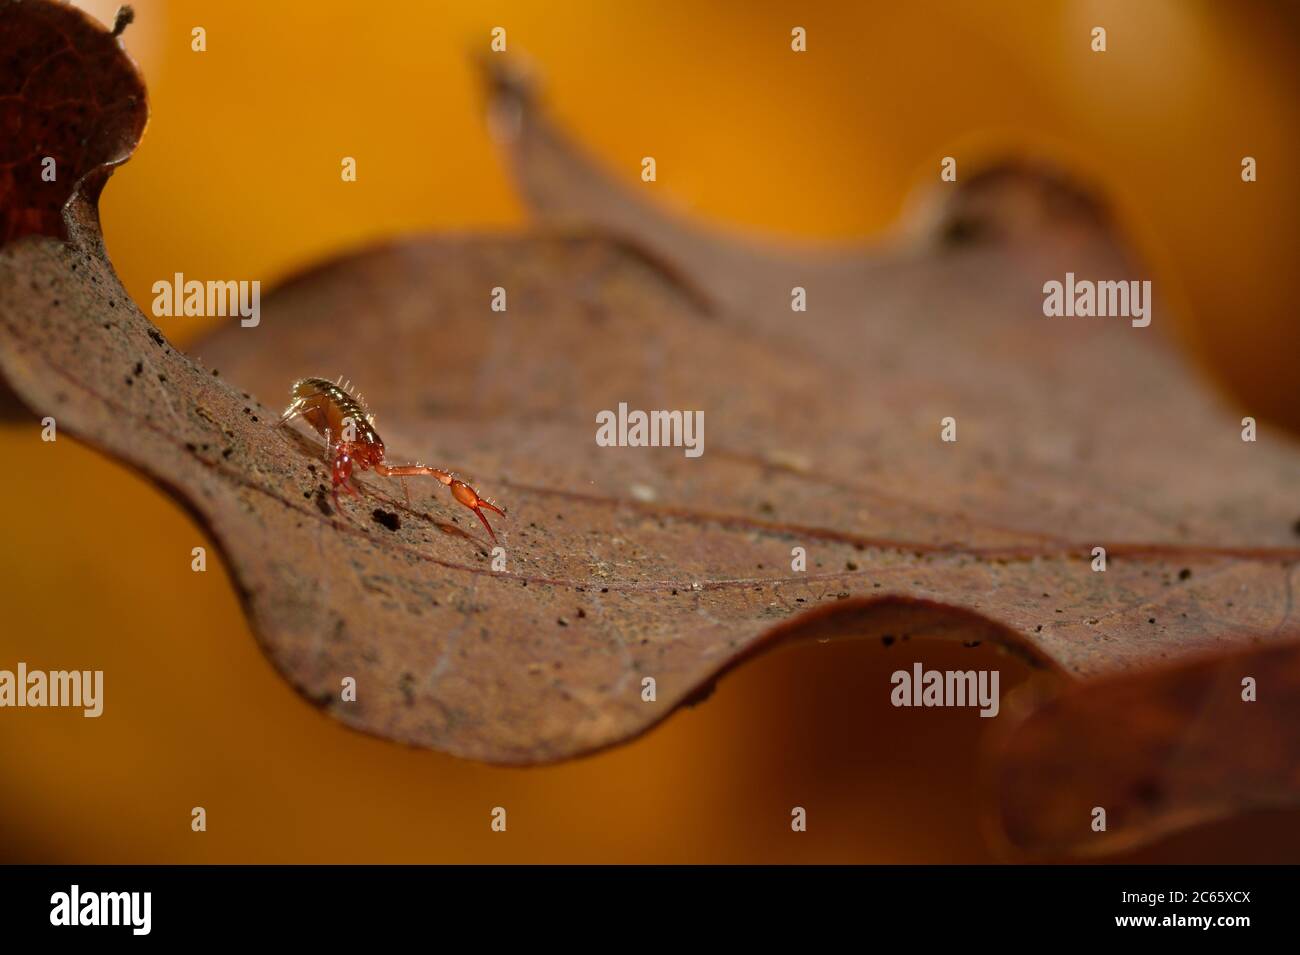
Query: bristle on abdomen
[339, 392]
[312, 391]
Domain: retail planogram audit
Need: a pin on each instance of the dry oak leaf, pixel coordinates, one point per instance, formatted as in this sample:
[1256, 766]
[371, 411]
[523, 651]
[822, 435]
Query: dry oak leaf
[822, 432]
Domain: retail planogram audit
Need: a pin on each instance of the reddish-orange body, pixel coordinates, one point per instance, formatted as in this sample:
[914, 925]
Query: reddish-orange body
[349, 432]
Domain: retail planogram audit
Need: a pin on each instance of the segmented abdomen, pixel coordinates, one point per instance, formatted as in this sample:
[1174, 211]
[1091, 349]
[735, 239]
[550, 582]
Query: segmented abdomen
[328, 404]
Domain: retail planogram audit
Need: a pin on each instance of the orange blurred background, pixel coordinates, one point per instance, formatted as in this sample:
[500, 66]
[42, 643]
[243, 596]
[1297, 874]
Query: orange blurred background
[238, 177]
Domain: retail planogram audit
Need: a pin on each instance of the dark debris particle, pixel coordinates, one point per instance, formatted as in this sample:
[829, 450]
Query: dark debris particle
[1184, 573]
[1295, 528]
[562, 622]
[961, 231]
[323, 503]
[1151, 619]
[850, 565]
[139, 368]
[970, 643]
[156, 336]
[1148, 792]
[388, 519]
[700, 694]
[887, 640]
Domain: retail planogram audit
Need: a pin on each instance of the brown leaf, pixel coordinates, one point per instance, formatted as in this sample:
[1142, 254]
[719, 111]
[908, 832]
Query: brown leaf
[822, 432]
[1157, 750]
[67, 93]
[824, 427]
